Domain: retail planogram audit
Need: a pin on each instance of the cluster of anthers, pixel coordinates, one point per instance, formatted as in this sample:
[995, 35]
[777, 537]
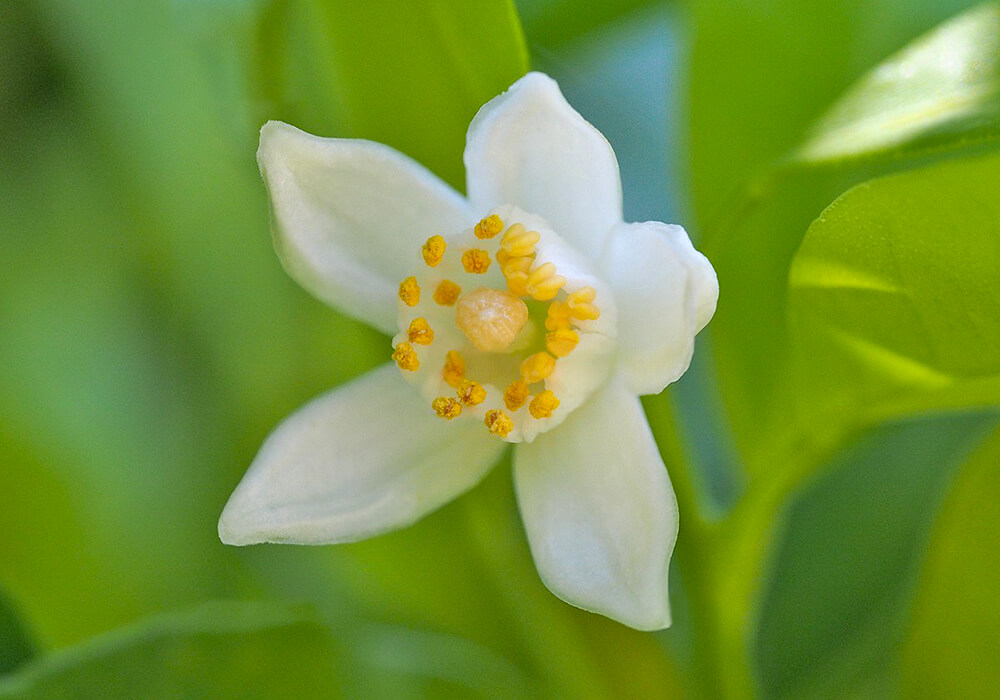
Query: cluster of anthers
[472, 339]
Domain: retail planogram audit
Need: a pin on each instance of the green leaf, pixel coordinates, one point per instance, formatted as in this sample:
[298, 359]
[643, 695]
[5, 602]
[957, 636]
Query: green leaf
[411, 75]
[219, 650]
[892, 297]
[942, 91]
[762, 72]
[16, 646]
[752, 248]
[834, 612]
[951, 647]
[551, 23]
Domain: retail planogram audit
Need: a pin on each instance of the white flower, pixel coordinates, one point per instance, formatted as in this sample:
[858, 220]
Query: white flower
[526, 312]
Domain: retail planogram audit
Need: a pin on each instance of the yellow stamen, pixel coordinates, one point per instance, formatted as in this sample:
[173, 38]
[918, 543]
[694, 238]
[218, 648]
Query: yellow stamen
[406, 357]
[537, 367]
[558, 316]
[580, 304]
[420, 332]
[454, 368]
[515, 395]
[471, 393]
[447, 293]
[585, 312]
[561, 341]
[476, 261]
[491, 318]
[433, 250]
[515, 270]
[518, 241]
[446, 407]
[489, 227]
[543, 282]
[543, 405]
[498, 423]
[409, 291]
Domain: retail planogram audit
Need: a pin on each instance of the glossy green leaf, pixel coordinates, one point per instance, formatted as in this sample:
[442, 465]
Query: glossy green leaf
[411, 75]
[951, 647]
[752, 245]
[762, 72]
[892, 296]
[942, 91]
[835, 608]
[216, 650]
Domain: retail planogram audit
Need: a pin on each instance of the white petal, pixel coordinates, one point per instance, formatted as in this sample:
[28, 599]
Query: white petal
[529, 148]
[364, 459]
[350, 217]
[599, 510]
[666, 292]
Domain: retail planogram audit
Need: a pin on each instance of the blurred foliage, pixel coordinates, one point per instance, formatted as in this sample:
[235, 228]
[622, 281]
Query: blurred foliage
[15, 646]
[842, 172]
[445, 60]
[238, 651]
[955, 630]
[832, 622]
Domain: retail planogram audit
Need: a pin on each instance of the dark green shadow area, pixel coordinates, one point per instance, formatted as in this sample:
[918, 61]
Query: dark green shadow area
[834, 612]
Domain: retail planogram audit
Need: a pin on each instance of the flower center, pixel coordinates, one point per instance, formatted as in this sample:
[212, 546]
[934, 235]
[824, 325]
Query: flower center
[471, 331]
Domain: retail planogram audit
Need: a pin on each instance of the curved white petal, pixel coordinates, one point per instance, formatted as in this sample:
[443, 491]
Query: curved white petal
[361, 460]
[599, 510]
[529, 148]
[666, 292]
[350, 217]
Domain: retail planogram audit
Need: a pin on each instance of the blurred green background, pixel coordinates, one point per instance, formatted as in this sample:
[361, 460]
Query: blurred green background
[834, 447]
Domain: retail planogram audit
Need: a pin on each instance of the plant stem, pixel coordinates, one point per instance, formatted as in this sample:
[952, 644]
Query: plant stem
[720, 611]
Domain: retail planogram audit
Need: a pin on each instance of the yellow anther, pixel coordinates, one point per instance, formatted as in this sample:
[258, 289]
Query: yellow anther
[406, 357]
[498, 423]
[420, 332]
[447, 293]
[502, 257]
[543, 405]
[409, 291]
[558, 316]
[446, 407]
[491, 318]
[581, 306]
[454, 368]
[433, 250]
[561, 341]
[471, 393]
[585, 312]
[537, 367]
[543, 282]
[515, 271]
[476, 261]
[518, 241]
[489, 227]
[515, 395]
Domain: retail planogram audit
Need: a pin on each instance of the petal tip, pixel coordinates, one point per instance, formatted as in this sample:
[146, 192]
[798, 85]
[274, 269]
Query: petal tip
[275, 137]
[645, 615]
[236, 523]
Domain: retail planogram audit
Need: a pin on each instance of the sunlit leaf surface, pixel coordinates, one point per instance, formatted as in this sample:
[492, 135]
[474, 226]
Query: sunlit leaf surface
[893, 292]
[943, 88]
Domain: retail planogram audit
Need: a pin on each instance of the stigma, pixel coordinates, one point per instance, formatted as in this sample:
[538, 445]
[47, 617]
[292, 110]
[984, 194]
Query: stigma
[491, 318]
